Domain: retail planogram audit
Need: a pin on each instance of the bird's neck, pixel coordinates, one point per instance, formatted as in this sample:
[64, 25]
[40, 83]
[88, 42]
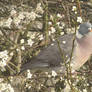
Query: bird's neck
[78, 35]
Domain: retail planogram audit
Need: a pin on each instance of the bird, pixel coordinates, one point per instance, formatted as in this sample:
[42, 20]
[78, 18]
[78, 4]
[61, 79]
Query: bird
[50, 58]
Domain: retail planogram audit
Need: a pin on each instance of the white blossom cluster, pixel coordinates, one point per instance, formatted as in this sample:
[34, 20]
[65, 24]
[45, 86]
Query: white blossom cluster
[79, 19]
[3, 58]
[52, 30]
[5, 87]
[31, 36]
[22, 17]
[74, 9]
[54, 74]
[39, 8]
[59, 24]
[29, 75]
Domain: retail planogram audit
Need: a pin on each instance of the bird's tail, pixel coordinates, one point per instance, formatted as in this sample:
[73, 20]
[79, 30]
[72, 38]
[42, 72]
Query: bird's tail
[34, 66]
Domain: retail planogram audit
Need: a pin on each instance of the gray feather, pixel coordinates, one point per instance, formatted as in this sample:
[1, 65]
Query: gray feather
[50, 58]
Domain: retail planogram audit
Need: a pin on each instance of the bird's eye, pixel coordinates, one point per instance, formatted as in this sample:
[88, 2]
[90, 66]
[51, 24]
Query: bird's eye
[90, 29]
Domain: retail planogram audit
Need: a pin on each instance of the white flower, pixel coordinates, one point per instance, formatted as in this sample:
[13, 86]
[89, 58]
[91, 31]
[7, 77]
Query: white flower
[21, 16]
[54, 73]
[1, 22]
[5, 87]
[31, 35]
[74, 8]
[39, 9]
[51, 17]
[49, 75]
[72, 0]
[13, 12]
[29, 75]
[75, 12]
[3, 53]
[38, 16]
[8, 22]
[53, 39]
[41, 37]
[59, 15]
[52, 44]
[62, 33]
[53, 30]
[16, 21]
[3, 58]
[30, 42]
[22, 48]
[61, 27]
[67, 88]
[3, 62]
[84, 90]
[58, 23]
[63, 24]
[22, 41]
[17, 49]
[79, 19]
[49, 32]
[64, 42]
[11, 54]
[50, 23]
[32, 16]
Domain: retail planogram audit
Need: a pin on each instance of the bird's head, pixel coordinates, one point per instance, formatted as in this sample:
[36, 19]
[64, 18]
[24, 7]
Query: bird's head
[84, 29]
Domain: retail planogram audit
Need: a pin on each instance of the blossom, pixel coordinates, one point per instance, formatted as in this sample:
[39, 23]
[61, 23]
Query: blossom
[29, 75]
[41, 37]
[5, 87]
[58, 23]
[51, 17]
[17, 49]
[64, 42]
[84, 90]
[54, 73]
[31, 35]
[16, 21]
[21, 16]
[53, 30]
[22, 48]
[62, 33]
[59, 15]
[39, 9]
[11, 54]
[79, 19]
[50, 23]
[3, 58]
[30, 42]
[8, 22]
[74, 8]
[67, 88]
[32, 15]
[52, 44]
[13, 12]
[22, 41]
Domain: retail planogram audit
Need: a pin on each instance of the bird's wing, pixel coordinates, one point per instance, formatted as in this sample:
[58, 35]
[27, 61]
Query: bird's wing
[50, 57]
